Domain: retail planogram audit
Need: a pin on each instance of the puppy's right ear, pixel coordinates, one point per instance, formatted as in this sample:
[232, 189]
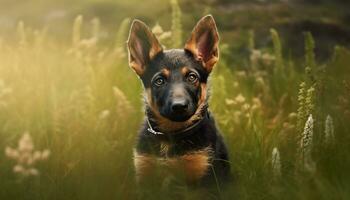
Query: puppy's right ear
[143, 46]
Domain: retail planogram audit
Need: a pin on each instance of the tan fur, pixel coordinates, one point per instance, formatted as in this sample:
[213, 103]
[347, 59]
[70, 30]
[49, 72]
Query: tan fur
[149, 96]
[203, 96]
[166, 72]
[156, 48]
[184, 71]
[194, 165]
[144, 165]
[206, 23]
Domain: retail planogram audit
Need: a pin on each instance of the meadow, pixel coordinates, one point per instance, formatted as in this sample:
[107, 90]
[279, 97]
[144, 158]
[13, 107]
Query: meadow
[70, 111]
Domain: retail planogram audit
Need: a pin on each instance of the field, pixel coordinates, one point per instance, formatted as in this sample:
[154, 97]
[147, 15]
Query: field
[70, 108]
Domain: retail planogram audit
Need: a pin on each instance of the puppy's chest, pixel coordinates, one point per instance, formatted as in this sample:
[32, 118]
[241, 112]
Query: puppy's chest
[193, 164]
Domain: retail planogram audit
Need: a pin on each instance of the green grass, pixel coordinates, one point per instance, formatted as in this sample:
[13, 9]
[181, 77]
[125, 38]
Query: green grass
[83, 103]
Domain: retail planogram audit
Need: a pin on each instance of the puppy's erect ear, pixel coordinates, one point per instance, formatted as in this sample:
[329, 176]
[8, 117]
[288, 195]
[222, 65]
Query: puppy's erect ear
[143, 46]
[204, 42]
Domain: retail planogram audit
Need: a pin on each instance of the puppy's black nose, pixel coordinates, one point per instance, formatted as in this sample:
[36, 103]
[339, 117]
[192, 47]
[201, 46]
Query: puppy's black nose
[179, 105]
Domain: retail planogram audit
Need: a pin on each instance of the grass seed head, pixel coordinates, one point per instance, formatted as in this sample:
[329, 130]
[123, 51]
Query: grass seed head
[329, 131]
[276, 162]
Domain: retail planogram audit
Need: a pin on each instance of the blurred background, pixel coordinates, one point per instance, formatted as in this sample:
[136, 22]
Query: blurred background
[327, 20]
[70, 107]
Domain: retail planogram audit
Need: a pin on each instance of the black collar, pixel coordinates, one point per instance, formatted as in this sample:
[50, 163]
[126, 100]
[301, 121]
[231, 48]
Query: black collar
[179, 134]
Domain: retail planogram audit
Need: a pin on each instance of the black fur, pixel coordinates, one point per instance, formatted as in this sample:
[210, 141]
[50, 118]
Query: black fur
[205, 134]
[176, 101]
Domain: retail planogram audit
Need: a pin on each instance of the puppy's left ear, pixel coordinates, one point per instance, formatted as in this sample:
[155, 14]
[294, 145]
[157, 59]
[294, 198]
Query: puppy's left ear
[204, 42]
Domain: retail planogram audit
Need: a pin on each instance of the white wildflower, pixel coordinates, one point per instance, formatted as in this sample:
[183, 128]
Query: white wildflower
[160, 34]
[240, 98]
[292, 116]
[306, 145]
[245, 107]
[267, 58]
[157, 29]
[276, 162]
[25, 156]
[45, 154]
[104, 114]
[229, 102]
[329, 131]
[18, 169]
[11, 153]
[25, 143]
[255, 55]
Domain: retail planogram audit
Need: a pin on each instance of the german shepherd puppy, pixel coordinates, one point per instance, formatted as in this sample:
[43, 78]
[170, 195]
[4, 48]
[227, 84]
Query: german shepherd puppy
[178, 132]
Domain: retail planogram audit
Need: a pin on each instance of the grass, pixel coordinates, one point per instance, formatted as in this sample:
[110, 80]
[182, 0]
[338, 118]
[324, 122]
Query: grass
[81, 101]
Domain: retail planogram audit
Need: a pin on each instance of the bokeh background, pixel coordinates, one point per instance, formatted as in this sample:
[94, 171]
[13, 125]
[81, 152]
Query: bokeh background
[70, 106]
[328, 20]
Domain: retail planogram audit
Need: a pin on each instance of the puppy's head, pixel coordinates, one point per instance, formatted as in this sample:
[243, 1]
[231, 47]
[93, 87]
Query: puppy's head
[174, 80]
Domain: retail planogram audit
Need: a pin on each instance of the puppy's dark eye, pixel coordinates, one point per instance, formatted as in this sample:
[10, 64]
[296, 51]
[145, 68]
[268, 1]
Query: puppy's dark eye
[192, 77]
[159, 81]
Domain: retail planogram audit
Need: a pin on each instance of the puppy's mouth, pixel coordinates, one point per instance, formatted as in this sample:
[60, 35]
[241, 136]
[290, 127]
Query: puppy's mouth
[178, 115]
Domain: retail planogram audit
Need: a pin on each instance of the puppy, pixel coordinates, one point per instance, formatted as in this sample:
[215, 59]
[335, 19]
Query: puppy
[179, 132]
